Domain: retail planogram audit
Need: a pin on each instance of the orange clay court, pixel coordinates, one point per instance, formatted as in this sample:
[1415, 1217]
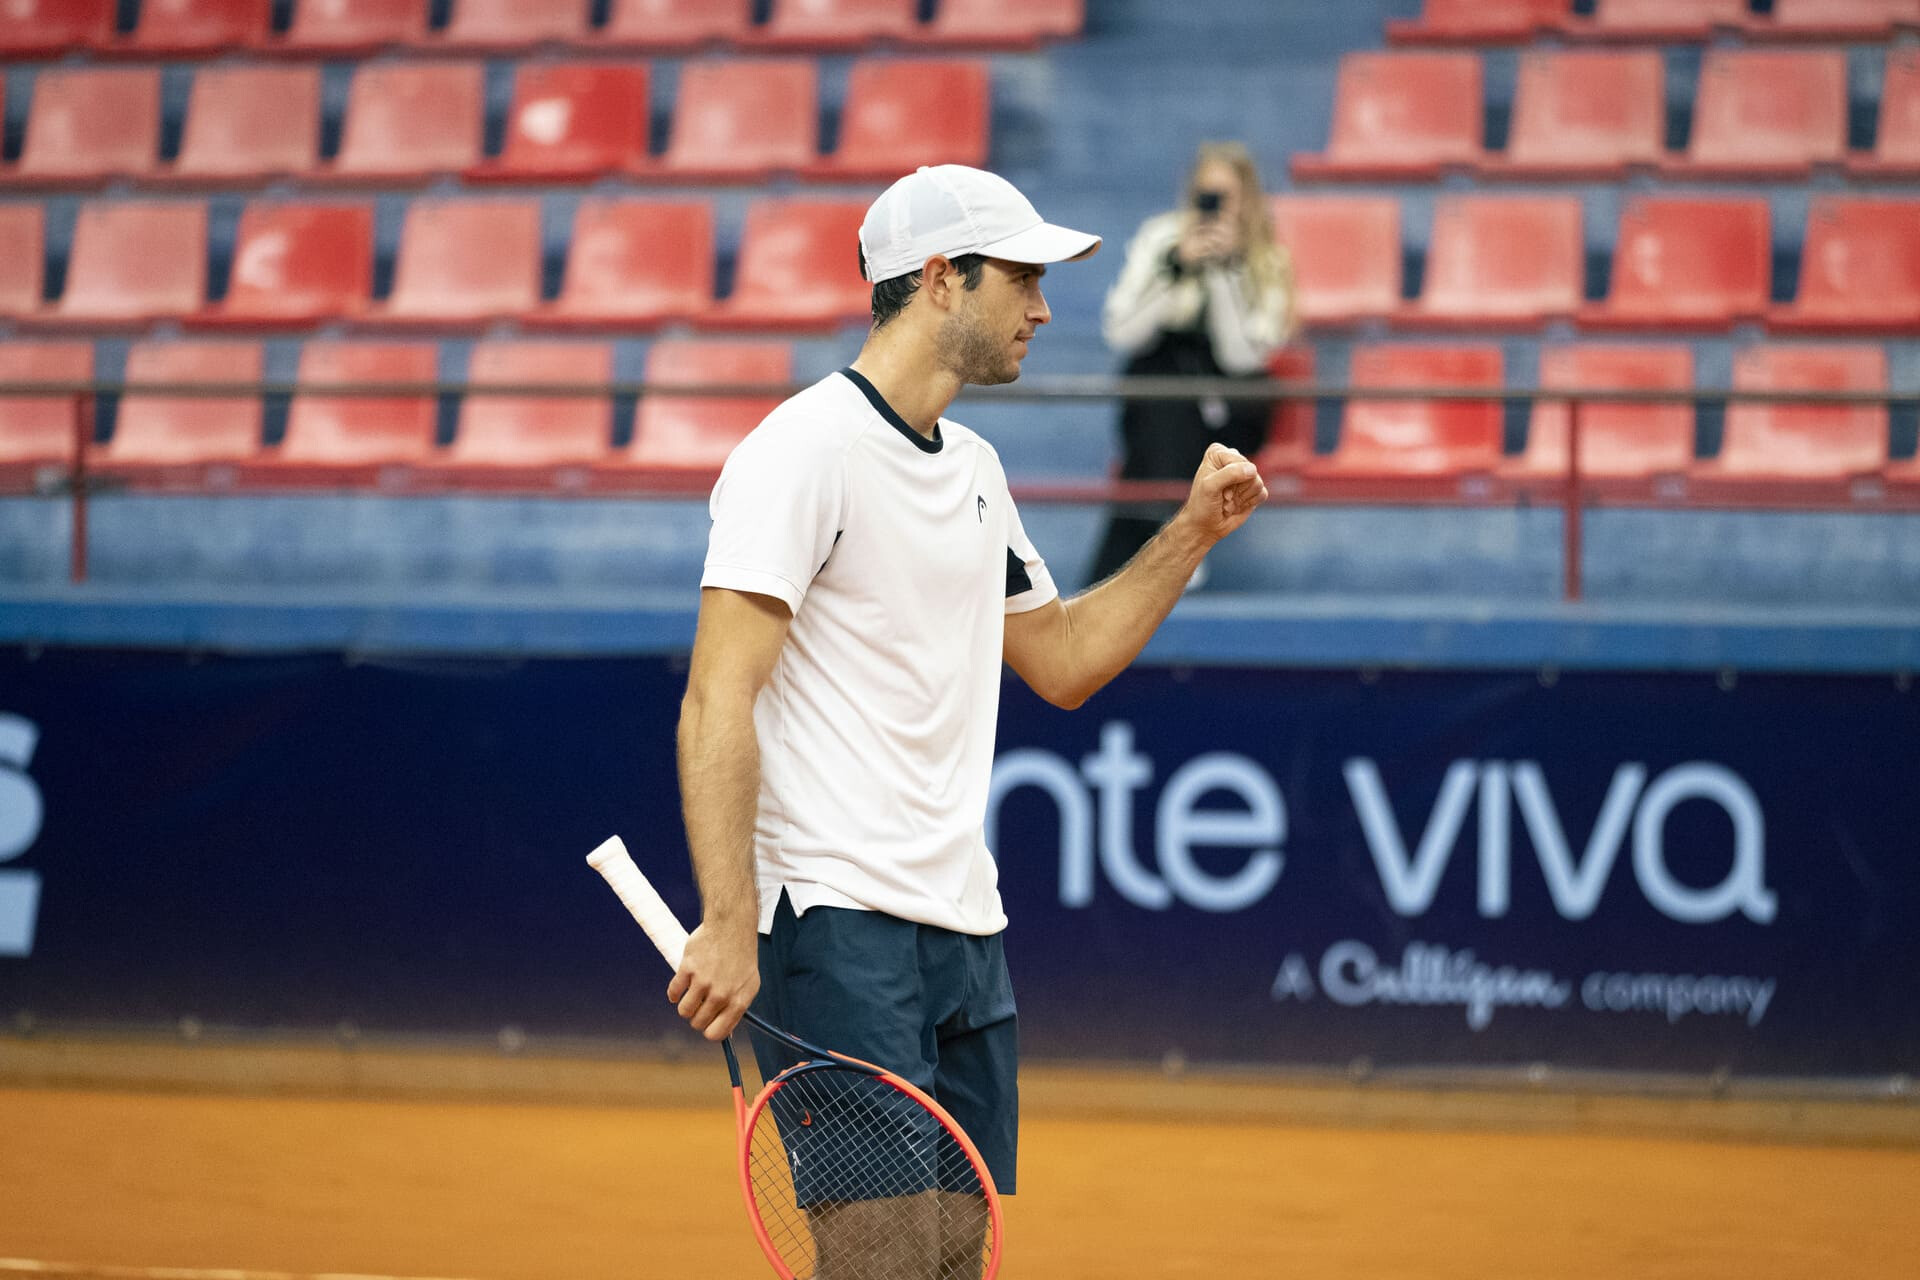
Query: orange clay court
[1123, 1174]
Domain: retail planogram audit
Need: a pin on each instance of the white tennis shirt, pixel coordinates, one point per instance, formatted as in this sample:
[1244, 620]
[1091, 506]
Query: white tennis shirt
[900, 558]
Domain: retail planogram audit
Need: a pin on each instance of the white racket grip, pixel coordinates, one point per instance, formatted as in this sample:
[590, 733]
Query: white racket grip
[613, 862]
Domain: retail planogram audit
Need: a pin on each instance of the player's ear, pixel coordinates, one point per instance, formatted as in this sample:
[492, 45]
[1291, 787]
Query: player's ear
[938, 280]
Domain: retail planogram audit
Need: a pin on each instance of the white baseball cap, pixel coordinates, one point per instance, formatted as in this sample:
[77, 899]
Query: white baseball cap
[949, 210]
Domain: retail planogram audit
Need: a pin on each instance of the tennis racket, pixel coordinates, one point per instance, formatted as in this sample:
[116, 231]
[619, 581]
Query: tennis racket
[849, 1172]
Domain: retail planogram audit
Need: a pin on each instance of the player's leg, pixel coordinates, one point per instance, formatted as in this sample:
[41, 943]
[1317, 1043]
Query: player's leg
[977, 1080]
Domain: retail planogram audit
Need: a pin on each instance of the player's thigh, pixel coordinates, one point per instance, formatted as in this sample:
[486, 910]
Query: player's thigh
[977, 1076]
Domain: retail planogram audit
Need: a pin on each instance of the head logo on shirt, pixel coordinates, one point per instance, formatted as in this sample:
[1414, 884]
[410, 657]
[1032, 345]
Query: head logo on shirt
[980, 507]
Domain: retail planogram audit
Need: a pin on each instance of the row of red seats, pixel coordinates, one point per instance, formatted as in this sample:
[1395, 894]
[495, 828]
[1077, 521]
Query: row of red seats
[1518, 21]
[1769, 452]
[172, 440]
[632, 264]
[335, 28]
[734, 121]
[1591, 113]
[1678, 263]
[1772, 454]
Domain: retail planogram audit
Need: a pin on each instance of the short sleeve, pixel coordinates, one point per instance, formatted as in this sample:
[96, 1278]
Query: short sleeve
[776, 511]
[1029, 584]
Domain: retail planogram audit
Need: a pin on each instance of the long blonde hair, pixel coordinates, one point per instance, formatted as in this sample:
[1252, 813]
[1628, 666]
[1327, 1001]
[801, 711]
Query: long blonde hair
[1267, 264]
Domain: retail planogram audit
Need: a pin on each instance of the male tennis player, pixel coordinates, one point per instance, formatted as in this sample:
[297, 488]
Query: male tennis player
[865, 577]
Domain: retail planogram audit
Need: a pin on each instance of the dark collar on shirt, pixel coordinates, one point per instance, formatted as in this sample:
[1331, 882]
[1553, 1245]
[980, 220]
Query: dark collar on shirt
[885, 410]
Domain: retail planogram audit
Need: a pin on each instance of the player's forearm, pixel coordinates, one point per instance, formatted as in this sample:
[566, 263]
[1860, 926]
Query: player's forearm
[719, 759]
[1108, 625]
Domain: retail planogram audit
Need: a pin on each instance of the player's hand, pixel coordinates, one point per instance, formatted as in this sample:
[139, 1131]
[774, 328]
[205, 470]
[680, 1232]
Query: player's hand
[1226, 489]
[718, 978]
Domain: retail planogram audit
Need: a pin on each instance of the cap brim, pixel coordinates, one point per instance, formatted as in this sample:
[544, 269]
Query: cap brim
[1044, 243]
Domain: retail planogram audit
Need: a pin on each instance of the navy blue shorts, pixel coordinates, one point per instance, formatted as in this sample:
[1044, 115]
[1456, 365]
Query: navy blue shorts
[932, 1006]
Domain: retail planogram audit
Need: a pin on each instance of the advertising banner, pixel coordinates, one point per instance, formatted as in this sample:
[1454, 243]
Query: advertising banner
[1646, 872]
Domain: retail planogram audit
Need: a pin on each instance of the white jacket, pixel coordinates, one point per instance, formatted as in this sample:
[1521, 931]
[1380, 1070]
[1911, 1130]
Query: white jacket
[1245, 323]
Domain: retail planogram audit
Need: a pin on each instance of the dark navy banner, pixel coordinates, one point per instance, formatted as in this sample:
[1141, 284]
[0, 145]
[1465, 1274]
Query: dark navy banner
[1651, 872]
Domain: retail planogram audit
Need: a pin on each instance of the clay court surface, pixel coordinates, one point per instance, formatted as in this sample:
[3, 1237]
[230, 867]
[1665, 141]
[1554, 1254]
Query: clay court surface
[1322, 1182]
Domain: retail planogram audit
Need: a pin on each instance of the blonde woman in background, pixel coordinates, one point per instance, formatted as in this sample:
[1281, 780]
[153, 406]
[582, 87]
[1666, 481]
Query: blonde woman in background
[1205, 291]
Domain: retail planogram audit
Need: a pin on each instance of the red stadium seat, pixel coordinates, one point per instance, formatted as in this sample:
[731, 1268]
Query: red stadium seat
[251, 123]
[408, 121]
[1763, 113]
[37, 432]
[1430, 439]
[901, 114]
[1401, 115]
[1478, 21]
[1692, 264]
[742, 121]
[572, 121]
[1859, 269]
[515, 24]
[535, 431]
[133, 262]
[676, 25]
[465, 262]
[88, 124]
[835, 24]
[358, 431]
[634, 264]
[169, 430]
[1785, 443]
[1502, 260]
[1585, 114]
[1289, 443]
[698, 432]
[41, 28]
[1653, 20]
[197, 26]
[1896, 149]
[23, 231]
[344, 28]
[1864, 20]
[1346, 256]
[1004, 24]
[1623, 446]
[798, 268]
[296, 265]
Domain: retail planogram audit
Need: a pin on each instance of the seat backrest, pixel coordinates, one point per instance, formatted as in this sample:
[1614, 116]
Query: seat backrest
[468, 259]
[840, 21]
[533, 430]
[1345, 252]
[252, 120]
[361, 429]
[640, 257]
[1615, 438]
[55, 26]
[1407, 107]
[1009, 21]
[700, 431]
[799, 257]
[1423, 436]
[1899, 136]
[412, 118]
[136, 259]
[356, 25]
[1806, 440]
[1770, 106]
[23, 231]
[1505, 256]
[89, 122]
[199, 26]
[576, 117]
[677, 23]
[745, 115]
[1653, 17]
[1867, 18]
[901, 114]
[1484, 19]
[1860, 259]
[509, 23]
[41, 428]
[174, 428]
[305, 261]
[1692, 259]
[1589, 106]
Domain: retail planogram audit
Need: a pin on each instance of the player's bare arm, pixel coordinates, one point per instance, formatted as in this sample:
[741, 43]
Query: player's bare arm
[735, 646]
[1067, 650]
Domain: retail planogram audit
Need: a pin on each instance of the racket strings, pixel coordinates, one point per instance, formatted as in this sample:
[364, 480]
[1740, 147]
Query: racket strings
[853, 1178]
